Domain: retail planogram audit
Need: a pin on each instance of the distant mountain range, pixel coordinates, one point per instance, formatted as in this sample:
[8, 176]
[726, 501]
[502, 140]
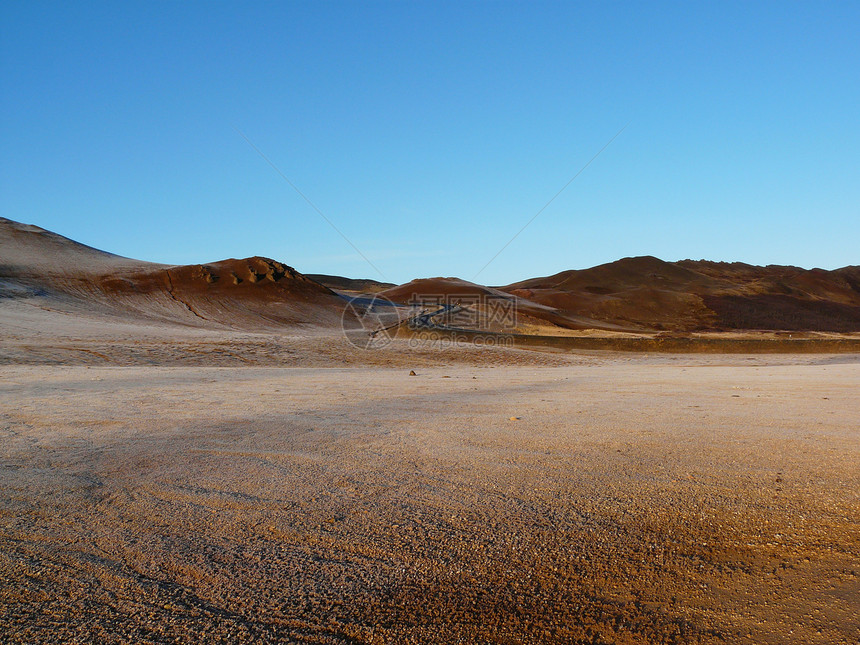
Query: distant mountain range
[633, 294]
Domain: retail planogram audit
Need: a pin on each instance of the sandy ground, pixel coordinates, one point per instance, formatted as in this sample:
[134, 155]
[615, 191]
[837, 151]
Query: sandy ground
[502, 497]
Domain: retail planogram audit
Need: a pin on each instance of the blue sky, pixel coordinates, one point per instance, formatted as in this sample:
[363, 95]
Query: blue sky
[430, 133]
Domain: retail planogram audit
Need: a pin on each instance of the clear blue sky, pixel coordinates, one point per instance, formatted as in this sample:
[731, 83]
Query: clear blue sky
[430, 132]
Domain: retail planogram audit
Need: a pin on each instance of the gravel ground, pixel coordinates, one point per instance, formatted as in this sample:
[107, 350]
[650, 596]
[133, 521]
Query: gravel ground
[583, 500]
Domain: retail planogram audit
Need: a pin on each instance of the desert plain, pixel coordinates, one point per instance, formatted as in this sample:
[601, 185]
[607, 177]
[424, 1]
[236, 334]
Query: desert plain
[168, 478]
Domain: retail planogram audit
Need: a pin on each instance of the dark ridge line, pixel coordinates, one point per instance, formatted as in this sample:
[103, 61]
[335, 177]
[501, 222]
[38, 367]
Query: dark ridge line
[645, 344]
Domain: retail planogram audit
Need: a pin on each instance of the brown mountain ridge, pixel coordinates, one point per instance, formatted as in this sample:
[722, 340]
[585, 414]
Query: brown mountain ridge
[696, 295]
[253, 293]
[642, 294]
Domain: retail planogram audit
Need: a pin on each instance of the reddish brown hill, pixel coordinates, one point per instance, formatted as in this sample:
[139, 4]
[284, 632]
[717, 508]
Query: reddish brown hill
[627, 273]
[436, 291]
[254, 293]
[783, 297]
[426, 289]
[250, 293]
[691, 295]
